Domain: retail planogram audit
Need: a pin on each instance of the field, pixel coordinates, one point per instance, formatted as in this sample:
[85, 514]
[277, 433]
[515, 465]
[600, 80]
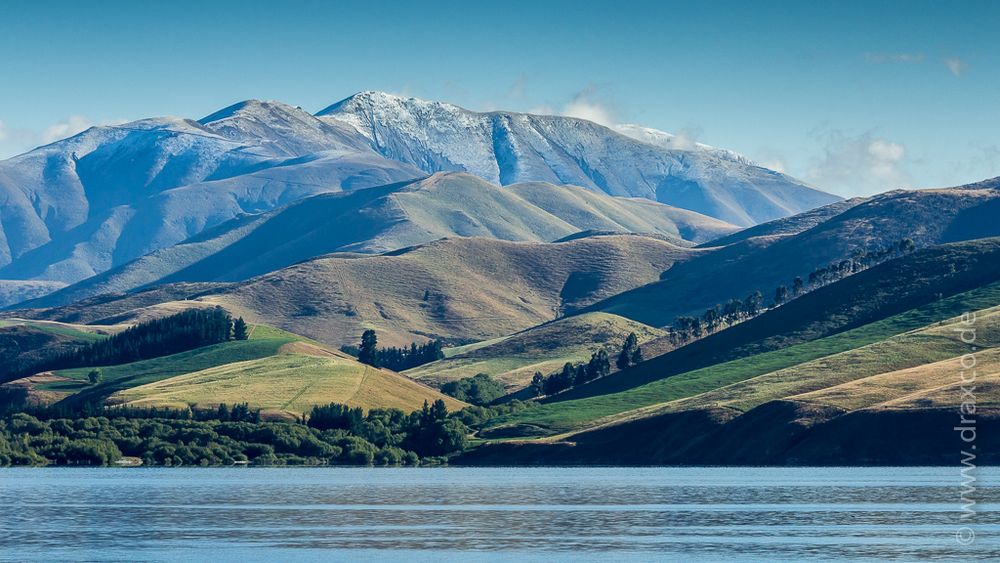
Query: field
[892, 368]
[287, 383]
[124, 376]
[276, 371]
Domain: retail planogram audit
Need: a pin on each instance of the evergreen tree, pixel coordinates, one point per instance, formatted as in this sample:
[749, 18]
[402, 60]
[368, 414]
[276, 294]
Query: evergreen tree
[95, 376]
[797, 286]
[538, 384]
[159, 337]
[368, 351]
[560, 380]
[240, 331]
[598, 366]
[629, 349]
[637, 356]
[753, 303]
[780, 295]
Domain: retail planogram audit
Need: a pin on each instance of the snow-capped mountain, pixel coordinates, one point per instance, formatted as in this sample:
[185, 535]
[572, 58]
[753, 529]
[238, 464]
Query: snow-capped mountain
[505, 148]
[94, 201]
[110, 194]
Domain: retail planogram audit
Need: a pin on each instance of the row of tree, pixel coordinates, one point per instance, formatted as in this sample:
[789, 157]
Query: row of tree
[429, 431]
[480, 389]
[598, 366]
[187, 330]
[396, 359]
[687, 328]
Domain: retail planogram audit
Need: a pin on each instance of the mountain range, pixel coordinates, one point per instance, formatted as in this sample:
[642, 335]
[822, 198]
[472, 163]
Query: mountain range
[112, 194]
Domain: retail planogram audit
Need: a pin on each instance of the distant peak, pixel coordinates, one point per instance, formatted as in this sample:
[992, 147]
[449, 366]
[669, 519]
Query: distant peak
[250, 107]
[375, 98]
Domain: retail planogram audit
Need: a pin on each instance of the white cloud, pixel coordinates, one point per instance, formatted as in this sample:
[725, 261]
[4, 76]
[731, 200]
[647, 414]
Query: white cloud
[67, 128]
[883, 58]
[584, 108]
[543, 109]
[583, 105]
[71, 126]
[956, 65]
[859, 165]
[777, 165]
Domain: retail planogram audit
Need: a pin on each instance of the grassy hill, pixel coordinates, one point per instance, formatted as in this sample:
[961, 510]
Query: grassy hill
[385, 218]
[287, 383]
[514, 359]
[763, 262]
[281, 373]
[461, 289]
[686, 373]
[25, 342]
[891, 401]
[904, 284]
[787, 225]
[113, 308]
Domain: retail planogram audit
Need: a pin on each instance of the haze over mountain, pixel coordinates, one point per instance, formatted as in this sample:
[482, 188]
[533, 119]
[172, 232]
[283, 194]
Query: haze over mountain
[390, 217]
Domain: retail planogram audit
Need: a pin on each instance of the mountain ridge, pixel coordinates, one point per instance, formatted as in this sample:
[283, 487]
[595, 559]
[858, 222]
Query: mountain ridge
[508, 147]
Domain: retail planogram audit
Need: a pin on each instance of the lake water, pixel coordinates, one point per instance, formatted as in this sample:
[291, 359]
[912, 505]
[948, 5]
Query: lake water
[543, 514]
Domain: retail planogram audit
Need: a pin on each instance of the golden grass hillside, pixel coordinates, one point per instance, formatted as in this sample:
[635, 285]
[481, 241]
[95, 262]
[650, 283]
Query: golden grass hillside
[291, 382]
[463, 289]
[912, 362]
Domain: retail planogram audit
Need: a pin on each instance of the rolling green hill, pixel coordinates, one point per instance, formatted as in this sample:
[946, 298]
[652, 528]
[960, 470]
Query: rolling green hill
[289, 383]
[686, 372]
[514, 359]
[891, 401]
[281, 373]
[901, 285]
[26, 342]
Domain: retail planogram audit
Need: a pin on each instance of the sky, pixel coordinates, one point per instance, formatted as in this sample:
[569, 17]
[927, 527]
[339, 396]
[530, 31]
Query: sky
[852, 97]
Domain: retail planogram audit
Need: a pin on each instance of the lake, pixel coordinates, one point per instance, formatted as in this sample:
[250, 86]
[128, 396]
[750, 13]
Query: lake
[543, 514]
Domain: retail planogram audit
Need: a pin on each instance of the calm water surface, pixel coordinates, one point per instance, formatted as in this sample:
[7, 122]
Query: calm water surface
[578, 514]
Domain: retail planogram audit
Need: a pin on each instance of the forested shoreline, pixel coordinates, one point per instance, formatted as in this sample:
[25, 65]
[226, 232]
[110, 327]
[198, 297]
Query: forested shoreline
[330, 435]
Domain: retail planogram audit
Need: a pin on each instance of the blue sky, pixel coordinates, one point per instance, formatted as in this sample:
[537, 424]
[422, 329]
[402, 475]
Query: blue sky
[855, 97]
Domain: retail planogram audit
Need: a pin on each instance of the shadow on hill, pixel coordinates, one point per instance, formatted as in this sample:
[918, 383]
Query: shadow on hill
[900, 285]
[776, 433]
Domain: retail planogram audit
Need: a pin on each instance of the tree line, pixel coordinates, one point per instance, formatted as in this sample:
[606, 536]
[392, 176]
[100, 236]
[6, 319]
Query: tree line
[599, 366]
[330, 435]
[734, 311]
[396, 359]
[183, 331]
